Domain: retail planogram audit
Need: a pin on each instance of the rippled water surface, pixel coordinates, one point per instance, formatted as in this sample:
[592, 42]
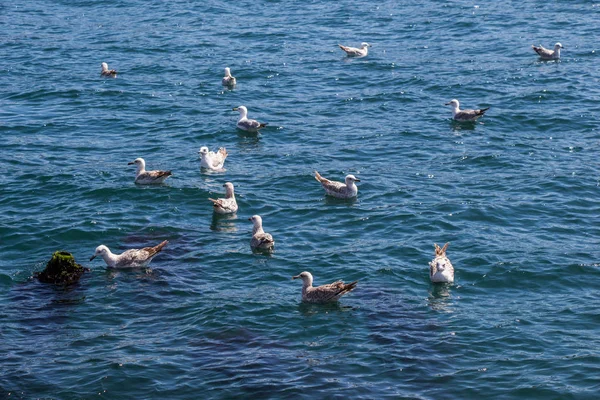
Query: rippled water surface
[516, 195]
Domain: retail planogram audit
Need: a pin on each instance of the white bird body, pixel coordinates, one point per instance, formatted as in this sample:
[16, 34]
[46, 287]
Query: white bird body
[260, 239]
[440, 268]
[144, 177]
[226, 205]
[130, 258]
[465, 115]
[323, 293]
[345, 190]
[211, 160]
[547, 54]
[250, 125]
[107, 72]
[356, 52]
[228, 79]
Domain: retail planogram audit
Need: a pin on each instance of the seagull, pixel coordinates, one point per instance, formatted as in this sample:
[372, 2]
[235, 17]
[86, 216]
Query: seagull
[547, 54]
[250, 125]
[338, 189]
[465, 115]
[108, 72]
[440, 268]
[228, 79]
[144, 177]
[228, 205]
[260, 239]
[211, 160]
[129, 258]
[323, 293]
[354, 52]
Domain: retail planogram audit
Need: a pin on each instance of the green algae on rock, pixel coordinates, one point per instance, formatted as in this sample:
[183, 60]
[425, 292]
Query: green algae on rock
[61, 269]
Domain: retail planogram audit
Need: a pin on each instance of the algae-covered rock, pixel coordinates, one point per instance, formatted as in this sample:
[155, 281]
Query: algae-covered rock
[61, 269]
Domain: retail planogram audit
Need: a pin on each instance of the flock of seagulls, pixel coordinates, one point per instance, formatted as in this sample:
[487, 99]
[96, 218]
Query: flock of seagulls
[440, 268]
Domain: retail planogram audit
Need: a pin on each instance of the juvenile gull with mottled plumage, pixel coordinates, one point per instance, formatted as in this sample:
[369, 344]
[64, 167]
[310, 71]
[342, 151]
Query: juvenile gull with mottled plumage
[211, 160]
[107, 72]
[144, 177]
[323, 293]
[465, 115]
[354, 52]
[228, 79]
[548, 54]
[260, 239]
[129, 258]
[345, 190]
[250, 125]
[226, 205]
[440, 268]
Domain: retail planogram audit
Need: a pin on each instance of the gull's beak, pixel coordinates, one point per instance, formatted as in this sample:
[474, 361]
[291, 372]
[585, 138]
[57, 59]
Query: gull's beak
[357, 180]
[447, 104]
[295, 277]
[234, 108]
[92, 257]
[130, 163]
[249, 219]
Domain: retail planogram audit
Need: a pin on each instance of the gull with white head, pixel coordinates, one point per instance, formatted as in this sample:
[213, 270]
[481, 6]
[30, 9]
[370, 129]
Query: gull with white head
[107, 72]
[144, 177]
[440, 268]
[211, 160]
[228, 79]
[132, 258]
[323, 293]
[261, 241]
[356, 52]
[228, 205]
[250, 125]
[465, 115]
[547, 54]
[345, 190]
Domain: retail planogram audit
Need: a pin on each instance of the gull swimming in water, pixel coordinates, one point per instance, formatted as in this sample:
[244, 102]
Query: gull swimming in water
[144, 177]
[354, 52]
[228, 205]
[323, 293]
[547, 54]
[129, 258]
[108, 72]
[260, 239]
[211, 160]
[338, 189]
[250, 125]
[465, 115]
[228, 79]
[440, 268]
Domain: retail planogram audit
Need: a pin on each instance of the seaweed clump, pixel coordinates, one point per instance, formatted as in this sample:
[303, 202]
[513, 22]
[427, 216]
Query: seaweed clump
[61, 269]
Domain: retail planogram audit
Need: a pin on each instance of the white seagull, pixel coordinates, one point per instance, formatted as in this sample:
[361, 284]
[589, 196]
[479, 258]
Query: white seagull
[338, 189]
[323, 293]
[354, 52]
[129, 258]
[228, 205]
[211, 160]
[547, 54]
[108, 72]
[260, 239]
[465, 115]
[144, 177]
[228, 79]
[250, 125]
[440, 268]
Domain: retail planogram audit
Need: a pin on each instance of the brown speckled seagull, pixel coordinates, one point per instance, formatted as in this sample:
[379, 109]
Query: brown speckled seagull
[340, 190]
[144, 177]
[107, 72]
[228, 205]
[260, 239]
[129, 258]
[354, 52]
[323, 293]
[465, 115]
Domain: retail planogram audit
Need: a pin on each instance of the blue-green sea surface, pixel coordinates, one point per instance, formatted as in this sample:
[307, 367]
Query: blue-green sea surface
[516, 194]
